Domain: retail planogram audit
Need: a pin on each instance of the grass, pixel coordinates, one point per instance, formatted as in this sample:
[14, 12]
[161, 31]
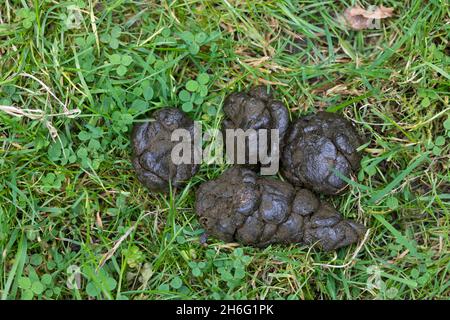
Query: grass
[76, 224]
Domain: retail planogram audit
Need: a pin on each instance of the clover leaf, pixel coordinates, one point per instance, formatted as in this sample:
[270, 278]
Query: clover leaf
[113, 38]
[26, 16]
[121, 62]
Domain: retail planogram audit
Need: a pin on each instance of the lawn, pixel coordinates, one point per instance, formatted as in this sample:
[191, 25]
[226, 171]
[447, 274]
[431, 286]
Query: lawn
[74, 76]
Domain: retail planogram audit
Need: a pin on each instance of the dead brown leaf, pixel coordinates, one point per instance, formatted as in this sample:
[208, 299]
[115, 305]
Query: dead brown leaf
[358, 18]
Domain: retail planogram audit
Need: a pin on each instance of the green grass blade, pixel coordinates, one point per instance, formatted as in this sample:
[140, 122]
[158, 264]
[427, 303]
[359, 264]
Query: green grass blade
[380, 194]
[17, 267]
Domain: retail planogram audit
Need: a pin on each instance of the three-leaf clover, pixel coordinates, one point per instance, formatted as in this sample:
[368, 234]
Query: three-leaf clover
[52, 181]
[33, 286]
[197, 268]
[122, 62]
[90, 155]
[436, 145]
[27, 17]
[121, 121]
[176, 282]
[192, 41]
[113, 38]
[92, 133]
[60, 150]
[99, 282]
[194, 92]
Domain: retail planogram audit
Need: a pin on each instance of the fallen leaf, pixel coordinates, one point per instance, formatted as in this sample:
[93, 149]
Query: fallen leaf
[358, 18]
